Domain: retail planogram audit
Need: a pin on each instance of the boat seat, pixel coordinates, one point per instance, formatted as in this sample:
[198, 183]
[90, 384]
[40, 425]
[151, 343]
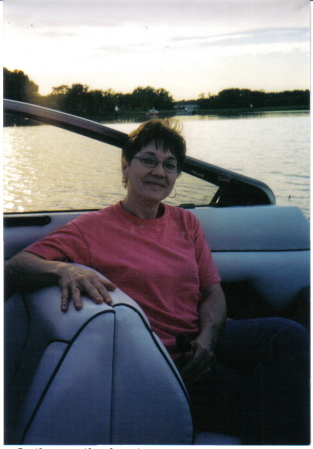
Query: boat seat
[264, 250]
[97, 376]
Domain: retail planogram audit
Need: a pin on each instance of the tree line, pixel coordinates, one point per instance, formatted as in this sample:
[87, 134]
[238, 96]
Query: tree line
[99, 105]
[245, 98]
[80, 100]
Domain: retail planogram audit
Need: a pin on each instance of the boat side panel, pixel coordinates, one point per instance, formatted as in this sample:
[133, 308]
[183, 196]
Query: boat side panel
[258, 228]
[18, 236]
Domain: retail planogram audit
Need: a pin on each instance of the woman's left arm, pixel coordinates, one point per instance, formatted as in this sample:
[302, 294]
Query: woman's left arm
[212, 314]
[212, 317]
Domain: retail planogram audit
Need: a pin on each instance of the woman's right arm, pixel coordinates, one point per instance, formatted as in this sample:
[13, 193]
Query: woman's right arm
[26, 271]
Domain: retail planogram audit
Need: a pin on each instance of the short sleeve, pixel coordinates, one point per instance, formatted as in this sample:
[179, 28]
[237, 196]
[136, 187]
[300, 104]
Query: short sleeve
[66, 244]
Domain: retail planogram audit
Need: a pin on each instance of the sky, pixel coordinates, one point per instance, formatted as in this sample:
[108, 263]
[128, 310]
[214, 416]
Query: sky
[187, 47]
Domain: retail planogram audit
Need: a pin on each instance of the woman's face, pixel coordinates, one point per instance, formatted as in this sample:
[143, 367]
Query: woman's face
[147, 183]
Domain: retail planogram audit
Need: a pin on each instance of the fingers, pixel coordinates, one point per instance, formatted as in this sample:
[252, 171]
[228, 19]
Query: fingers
[75, 293]
[199, 367]
[194, 367]
[204, 374]
[74, 282]
[196, 377]
[64, 298]
[98, 289]
[70, 292]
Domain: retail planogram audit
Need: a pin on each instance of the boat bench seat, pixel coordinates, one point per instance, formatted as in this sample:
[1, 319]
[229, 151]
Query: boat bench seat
[262, 254]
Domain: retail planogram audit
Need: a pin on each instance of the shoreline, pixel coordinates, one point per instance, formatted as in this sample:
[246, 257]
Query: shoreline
[139, 115]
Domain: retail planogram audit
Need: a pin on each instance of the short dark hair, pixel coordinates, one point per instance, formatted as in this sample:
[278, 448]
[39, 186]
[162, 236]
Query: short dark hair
[165, 133]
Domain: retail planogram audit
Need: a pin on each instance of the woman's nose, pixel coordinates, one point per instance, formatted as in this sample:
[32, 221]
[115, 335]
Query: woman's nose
[158, 170]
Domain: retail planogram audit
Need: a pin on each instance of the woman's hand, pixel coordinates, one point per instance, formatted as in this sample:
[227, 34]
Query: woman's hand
[200, 363]
[74, 281]
[27, 272]
[212, 317]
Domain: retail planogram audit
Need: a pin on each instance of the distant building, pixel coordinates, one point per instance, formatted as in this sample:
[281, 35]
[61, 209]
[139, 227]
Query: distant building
[185, 104]
[185, 107]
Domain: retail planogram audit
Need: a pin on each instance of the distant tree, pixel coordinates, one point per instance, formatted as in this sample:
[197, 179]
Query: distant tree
[79, 100]
[148, 98]
[75, 100]
[234, 98]
[17, 86]
[124, 101]
[163, 99]
[143, 98]
[258, 99]
[96, 104]
[60, 90]
[55, 100]
[110, 100]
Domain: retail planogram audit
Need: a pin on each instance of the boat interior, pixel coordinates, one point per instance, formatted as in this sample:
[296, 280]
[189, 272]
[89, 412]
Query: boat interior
[102, 376]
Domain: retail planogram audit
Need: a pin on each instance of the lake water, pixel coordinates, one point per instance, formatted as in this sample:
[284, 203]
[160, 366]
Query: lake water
[51, 169]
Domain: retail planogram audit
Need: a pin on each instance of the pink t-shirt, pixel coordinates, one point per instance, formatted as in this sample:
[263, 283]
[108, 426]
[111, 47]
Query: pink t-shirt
[162, 263]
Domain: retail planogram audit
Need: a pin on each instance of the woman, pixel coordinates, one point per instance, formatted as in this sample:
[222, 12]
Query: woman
[157, 254]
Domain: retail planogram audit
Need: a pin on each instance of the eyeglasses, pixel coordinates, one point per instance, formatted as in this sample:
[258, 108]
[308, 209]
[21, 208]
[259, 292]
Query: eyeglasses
[170, 165]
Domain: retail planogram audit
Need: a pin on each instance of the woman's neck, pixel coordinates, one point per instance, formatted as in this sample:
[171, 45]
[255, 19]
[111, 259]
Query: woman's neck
[147, 210]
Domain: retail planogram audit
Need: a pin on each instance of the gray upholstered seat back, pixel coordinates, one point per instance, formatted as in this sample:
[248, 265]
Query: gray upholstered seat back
[266, 246]
[98, 376]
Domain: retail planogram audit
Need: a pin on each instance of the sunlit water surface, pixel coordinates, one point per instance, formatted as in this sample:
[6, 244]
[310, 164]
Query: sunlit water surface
[51, 169]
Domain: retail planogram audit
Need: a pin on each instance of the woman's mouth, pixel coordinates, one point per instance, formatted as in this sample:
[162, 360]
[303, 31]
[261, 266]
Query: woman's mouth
[155, 183]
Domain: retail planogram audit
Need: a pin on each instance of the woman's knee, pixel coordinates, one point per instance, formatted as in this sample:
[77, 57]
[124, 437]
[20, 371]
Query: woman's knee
[290, 340]
[249, 342]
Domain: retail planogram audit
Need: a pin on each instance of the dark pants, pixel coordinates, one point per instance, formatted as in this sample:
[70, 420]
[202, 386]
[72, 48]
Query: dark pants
[259, 390]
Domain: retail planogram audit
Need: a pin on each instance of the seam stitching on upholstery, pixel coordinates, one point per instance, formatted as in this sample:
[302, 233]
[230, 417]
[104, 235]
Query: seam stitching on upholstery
[53, 375]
